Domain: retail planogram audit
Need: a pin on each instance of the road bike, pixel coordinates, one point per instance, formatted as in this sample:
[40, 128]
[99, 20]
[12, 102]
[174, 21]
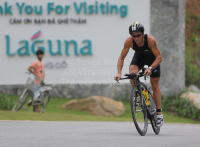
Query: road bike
[41, 99]
[143, 107]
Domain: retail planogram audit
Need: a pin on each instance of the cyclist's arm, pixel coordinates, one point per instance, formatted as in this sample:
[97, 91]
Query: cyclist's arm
[31, 69]
[156, 51]
[123, 54]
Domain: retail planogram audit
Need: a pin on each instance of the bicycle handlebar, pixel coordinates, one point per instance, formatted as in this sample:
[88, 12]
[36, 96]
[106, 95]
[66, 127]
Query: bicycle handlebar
[134, 76]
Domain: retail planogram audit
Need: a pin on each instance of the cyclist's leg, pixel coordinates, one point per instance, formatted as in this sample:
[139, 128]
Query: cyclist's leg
[36, 90]
[156, 92]
[135, 66]
[155, 78]
[36, 109]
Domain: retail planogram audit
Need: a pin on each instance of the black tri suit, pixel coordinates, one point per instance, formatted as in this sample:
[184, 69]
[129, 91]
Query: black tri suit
[144, 56]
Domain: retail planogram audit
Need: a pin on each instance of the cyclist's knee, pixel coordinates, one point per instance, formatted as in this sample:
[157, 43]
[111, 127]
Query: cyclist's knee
[133, 69]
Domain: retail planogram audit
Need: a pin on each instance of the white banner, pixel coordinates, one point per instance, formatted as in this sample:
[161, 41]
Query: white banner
[82, 40]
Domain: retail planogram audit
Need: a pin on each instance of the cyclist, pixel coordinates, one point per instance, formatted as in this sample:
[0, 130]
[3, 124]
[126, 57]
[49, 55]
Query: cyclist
[37, 68]
[146, 53]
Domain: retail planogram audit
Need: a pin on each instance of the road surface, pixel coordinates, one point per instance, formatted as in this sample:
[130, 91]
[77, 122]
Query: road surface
[94, 134]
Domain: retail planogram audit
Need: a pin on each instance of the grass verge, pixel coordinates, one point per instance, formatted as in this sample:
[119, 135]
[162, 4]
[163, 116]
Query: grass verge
[55, 113]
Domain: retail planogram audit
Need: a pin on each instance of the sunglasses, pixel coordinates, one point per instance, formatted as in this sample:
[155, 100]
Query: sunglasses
[136, 35]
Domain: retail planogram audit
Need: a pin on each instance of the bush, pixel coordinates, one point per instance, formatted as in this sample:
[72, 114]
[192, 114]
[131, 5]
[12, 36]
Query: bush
[182, 107]
[191, 70]
[6, 103]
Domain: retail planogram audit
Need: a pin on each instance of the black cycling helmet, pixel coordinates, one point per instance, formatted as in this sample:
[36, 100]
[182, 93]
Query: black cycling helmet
[136, 27]
[39, 52]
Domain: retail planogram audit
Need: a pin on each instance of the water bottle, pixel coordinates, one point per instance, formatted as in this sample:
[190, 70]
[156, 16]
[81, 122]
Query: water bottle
[146, 96]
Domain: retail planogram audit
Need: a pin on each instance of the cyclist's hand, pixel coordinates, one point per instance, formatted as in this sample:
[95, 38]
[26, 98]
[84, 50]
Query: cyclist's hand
[42, 83]
[117, 77]
[37, 77]
[148, 72]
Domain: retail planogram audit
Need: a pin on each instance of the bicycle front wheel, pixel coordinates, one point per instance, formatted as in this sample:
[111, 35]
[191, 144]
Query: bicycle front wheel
[153, 119]
[139, 111]
[21, 100]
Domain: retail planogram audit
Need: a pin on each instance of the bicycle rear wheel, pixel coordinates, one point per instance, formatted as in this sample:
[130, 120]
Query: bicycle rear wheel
[139, 111]
[153, 118]
[21, 100]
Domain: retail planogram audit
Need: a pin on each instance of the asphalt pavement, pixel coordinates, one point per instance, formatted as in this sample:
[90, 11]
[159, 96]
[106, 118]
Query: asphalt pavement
[94, 134]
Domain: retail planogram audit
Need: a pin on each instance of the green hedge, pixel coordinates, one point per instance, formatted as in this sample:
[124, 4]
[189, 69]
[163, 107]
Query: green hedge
[192, 71]
[6, 103]
[180, 106]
